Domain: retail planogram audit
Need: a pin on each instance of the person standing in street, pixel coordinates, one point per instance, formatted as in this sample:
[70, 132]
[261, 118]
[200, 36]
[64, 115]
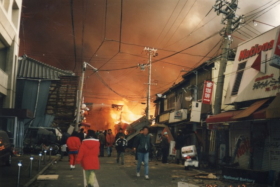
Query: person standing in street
[121, 144]
[88, 156]
[143, 145]
[81, 134]
[110, 140]
[73, 144]
[164, 147]
[63, 146]
[119, 133]
[102, 142]
[136, 137]
[179, 143]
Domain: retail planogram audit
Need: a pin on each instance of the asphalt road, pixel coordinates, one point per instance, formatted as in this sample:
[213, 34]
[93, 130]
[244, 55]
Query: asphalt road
[112, 174]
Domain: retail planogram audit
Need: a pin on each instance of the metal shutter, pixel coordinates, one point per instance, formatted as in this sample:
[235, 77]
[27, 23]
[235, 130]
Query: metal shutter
[240, 130]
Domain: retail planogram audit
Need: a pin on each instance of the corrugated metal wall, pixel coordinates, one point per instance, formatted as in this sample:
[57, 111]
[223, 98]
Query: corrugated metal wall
[33, 95]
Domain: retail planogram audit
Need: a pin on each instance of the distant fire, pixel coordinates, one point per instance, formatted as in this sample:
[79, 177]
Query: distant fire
[125, 115]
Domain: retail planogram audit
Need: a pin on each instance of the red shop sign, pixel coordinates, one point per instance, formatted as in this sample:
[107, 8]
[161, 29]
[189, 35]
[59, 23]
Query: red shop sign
[207, 92]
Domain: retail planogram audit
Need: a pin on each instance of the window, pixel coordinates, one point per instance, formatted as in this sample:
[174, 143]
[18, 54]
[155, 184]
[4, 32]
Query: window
[238, 78]
[170, 101]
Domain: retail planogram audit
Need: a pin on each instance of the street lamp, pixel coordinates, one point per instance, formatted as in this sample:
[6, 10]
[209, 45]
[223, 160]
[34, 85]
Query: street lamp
[19, 166]
[39, 161]
[30, 168]
[50, 153]
[45, 152]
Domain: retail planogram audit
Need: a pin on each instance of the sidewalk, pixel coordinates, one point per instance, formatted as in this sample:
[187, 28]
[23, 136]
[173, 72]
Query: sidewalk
[66, 177]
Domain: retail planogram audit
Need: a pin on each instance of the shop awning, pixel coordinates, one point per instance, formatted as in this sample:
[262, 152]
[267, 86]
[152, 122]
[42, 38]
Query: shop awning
[250, 110]
[222, 117]
[273, 110]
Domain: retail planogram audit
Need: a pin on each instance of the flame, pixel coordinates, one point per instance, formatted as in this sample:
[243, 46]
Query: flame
[126, 115]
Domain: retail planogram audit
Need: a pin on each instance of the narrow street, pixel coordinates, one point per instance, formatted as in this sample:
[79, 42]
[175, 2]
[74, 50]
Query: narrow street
[112, 174]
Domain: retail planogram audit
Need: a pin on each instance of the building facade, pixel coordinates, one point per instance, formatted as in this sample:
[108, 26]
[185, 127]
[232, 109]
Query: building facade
[10, 13]
[253, 141]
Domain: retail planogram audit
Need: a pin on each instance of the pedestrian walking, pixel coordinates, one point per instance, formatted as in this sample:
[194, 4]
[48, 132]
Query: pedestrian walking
[110, 140]
[88, 156]
[73, 144]
[119, 133]
[143, 145]
[81, 134]
[121, 144]
[63, 146]
[102, 142]
[165, 147]
[179, 143]
[135, 140]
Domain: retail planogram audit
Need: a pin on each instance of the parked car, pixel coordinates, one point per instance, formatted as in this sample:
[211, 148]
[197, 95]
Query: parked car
[6, 149]
[41, 138]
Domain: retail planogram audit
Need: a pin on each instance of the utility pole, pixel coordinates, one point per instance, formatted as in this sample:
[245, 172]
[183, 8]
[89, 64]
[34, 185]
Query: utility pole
[231, 22]
[80, 92]
[80, 96]
[151, 52]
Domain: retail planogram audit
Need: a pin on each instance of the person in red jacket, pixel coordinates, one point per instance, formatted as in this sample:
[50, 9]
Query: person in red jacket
[73, 143]
[88, 156]
[110, 140]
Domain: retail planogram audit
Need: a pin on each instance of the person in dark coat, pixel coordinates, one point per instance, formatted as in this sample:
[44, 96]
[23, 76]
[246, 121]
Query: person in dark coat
[102, 142]
[121, 144]
[63, 146]
[179, 143]
[119, 134]
[135, 140]
[143, 145]
[81, 134]
[88, 156]
[165, 147]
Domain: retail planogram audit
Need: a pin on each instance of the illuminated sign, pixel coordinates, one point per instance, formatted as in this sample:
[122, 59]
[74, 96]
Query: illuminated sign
[244, 54]
[207, 92]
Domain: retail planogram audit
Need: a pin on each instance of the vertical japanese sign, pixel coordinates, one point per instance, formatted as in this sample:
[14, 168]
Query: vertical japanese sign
[207, 92]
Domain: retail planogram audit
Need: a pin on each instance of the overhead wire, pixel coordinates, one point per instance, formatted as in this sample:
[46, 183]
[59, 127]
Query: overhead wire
[168, 56]
[121, 21]
[167, 22]
[104, 31]
[83, 27]
[220, 41]
[73, 33]
[196, 29]
[176, 18]
[181, 22]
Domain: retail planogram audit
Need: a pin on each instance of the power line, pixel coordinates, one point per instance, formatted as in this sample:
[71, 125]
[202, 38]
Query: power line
[83, 28]
[73, 32]
[121, 20]
[167, 22]
[176, 18]
[185, 37]
[104, 31]
[168, 56]
[181, 22]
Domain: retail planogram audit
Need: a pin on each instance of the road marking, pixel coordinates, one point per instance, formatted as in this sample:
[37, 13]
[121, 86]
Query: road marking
[184, 184]
[95, 180]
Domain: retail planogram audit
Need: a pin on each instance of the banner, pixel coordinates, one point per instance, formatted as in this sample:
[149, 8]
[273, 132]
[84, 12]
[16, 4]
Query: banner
[207, 92]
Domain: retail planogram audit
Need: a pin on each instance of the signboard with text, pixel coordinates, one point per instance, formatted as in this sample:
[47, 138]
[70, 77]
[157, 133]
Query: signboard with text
[207, 92]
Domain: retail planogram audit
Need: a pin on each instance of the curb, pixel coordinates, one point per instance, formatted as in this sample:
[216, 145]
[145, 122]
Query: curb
[42, 171]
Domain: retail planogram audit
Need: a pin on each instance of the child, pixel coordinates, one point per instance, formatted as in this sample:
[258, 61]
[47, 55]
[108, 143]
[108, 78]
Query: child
[121, 143]
[73, 144]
